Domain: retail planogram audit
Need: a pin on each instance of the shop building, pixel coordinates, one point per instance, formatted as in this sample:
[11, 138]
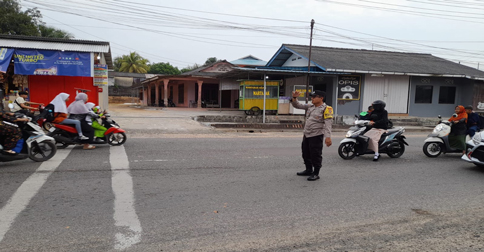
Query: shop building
[412, 84]
[46, 67]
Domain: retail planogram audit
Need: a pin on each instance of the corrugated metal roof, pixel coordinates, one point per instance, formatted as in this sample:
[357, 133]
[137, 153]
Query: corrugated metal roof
[360, 61]
[48, 45]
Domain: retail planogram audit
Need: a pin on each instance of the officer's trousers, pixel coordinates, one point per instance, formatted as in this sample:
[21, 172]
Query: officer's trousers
[312, 153]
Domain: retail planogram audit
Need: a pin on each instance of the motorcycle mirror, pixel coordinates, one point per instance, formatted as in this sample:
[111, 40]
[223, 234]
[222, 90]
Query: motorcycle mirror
[454, 115]
[439, 116]
[10, 105]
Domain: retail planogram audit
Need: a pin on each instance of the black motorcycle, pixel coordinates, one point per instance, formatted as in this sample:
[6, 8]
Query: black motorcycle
[356, 143]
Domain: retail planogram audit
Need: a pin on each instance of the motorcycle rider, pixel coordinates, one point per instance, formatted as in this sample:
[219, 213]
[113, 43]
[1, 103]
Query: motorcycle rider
[78, 111]
[22, 106]
[365, 115]
[10, 132]
[98, 128]
[379, 125]
[60, 113]
[472, 121]
[457, 136]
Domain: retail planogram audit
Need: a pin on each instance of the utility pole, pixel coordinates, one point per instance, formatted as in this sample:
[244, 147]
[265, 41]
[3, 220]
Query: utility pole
[309, 60]
[309, 67]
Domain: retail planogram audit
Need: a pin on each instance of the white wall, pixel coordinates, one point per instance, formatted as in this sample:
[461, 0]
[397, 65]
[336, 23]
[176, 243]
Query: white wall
[296, 61]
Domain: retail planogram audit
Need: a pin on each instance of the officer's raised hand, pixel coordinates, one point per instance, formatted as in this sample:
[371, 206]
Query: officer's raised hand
[296, 94]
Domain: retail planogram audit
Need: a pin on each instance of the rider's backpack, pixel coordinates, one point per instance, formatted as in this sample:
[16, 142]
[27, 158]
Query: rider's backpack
[481, 122]
[48, 113]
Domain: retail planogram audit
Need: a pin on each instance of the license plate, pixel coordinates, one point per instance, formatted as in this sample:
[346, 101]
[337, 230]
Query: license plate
[51, 129]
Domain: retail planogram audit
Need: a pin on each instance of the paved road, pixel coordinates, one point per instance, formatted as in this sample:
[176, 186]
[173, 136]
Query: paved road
[239, 192]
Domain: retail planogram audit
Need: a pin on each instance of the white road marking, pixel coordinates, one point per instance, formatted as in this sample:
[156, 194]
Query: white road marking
[125, 218]
[27, 190]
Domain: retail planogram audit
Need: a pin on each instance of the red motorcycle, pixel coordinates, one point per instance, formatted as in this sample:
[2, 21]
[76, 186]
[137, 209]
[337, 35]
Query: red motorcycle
[65, 134]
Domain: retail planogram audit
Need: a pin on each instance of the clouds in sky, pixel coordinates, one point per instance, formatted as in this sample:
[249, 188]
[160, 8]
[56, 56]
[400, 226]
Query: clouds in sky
[185, 32]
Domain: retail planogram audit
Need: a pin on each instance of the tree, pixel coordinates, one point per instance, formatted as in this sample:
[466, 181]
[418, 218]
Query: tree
[210, 61]
[133, 63]
[190, 68]
[14, 21]
[163, 68]
[51, 32]
[117, 63]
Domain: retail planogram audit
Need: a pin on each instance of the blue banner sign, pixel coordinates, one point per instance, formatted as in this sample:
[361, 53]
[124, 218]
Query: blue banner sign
[5, 57]
[43, 62]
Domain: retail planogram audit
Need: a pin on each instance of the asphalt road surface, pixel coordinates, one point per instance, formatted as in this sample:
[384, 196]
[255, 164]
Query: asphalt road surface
[239, 192]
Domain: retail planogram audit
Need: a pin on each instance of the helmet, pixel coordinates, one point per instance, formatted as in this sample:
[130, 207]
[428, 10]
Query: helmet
[379, 105]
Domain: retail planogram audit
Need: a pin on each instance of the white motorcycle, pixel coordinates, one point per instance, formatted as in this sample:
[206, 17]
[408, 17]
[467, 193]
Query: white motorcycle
[437, 142]
[475, 150]
[37, 145]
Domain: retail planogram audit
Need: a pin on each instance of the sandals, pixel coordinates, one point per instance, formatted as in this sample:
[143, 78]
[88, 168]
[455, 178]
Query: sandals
[10, 152]
[89, 147]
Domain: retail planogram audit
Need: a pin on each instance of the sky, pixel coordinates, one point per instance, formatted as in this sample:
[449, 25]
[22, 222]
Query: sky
[185, 32]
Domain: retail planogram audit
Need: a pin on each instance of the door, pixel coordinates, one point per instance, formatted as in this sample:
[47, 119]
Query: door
[393, 90]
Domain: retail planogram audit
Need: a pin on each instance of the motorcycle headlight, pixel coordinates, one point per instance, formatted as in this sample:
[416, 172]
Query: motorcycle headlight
[477, 138]
[438, 128]
[349, 133]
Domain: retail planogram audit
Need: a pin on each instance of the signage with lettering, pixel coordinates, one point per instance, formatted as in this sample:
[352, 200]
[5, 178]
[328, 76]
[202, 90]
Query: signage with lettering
[302, 90]
[100, 75]
[349, 87]
[44, 62]
[5, 57]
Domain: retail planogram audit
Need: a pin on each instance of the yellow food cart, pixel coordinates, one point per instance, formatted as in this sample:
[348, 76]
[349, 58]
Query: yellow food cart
[251, 96]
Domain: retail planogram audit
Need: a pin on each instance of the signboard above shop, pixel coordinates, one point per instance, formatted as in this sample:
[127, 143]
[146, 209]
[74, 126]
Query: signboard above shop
[44, 62]
[5, 57]
[349, 87]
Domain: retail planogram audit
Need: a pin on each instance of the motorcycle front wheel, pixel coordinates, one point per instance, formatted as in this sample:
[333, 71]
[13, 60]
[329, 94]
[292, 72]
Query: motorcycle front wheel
[116, 138]
[347, 151]
[432, 149]
[42, 151]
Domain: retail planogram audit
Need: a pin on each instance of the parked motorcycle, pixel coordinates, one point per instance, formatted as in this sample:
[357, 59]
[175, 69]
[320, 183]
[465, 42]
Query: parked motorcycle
[437, 142]
[475, 150]
[37, 145]
[356, 143]
[66, 135]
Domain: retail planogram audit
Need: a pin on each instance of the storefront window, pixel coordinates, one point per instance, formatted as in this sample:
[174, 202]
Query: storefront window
[423, 94]
[447, 95]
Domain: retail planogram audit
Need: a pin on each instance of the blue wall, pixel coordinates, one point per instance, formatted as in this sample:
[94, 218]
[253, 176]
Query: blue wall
[463, 96]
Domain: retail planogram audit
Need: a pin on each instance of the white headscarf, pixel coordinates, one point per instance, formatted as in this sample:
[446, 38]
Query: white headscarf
[90, 105]
[78, 107]
[59, 103]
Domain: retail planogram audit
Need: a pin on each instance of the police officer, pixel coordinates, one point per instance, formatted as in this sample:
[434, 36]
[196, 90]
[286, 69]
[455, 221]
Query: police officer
[319, 120]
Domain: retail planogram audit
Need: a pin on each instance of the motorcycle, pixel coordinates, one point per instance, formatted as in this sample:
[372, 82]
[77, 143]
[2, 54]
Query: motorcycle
[356, 143]
[36, 144]
[437, 142]
[66, 135]
[475, 150]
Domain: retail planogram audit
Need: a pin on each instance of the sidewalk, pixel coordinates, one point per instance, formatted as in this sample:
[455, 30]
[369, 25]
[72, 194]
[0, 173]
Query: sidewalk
[139, 121]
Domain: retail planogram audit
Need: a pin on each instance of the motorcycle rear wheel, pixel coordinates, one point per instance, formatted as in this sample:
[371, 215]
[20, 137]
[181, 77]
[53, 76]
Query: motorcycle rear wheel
[347, 151]
[116, 139]
[42, 151]
[399, 153]
[432, 149]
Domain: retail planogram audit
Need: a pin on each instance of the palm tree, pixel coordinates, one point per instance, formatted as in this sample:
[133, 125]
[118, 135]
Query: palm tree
[134, 63]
